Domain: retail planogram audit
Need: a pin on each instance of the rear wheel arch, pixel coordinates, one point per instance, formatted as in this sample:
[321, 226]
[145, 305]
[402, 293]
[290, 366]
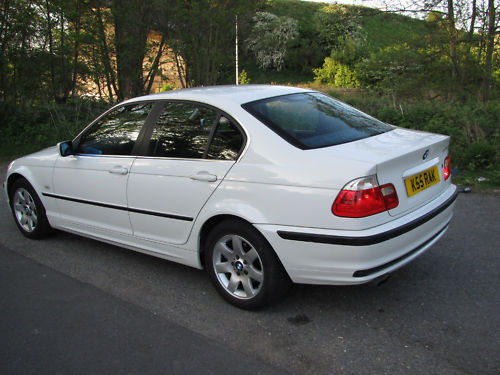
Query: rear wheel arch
[208, 226]
[212, 222]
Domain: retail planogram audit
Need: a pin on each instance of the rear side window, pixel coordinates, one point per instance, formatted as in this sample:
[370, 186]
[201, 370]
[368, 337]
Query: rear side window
[182, 131]
[314, 120]
[227, 141]
[193, 131]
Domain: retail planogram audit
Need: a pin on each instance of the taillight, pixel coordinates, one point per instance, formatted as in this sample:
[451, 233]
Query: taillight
[447, 168]
[364, 197]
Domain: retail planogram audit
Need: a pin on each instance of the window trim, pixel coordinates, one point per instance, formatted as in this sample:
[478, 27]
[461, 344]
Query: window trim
[211, 137]
[146, 132]
[220, 114]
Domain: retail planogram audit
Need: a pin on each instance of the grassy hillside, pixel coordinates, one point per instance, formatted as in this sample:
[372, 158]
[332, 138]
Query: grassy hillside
[379, 30]
[386, 29]
[389, 43]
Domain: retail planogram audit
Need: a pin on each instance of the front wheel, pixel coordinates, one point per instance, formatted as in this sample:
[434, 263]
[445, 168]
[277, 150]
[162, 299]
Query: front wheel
[28, 210]
[243, 267]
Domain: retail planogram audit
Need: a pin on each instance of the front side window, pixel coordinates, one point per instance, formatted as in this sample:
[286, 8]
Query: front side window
[313, 120]
[115, 133]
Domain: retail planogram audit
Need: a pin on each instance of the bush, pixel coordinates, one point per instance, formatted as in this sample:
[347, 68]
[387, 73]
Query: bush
[480, 155]
[336, 74]
[25, 129]
[167, 87]
[243, 78]
[473, 126]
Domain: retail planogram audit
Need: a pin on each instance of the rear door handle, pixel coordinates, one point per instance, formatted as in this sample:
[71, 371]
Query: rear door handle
[203, 176]
[118, 170]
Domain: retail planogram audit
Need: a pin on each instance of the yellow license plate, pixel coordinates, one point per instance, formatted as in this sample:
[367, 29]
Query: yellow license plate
[421, 181]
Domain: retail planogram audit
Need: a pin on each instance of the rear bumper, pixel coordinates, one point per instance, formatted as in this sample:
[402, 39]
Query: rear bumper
[324, 256]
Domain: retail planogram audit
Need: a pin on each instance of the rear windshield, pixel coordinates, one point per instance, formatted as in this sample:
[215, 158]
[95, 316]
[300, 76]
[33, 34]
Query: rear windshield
[314, 120]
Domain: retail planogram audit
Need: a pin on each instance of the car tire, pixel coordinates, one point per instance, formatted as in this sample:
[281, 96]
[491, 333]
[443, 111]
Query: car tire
[243, 267]
[29, 213]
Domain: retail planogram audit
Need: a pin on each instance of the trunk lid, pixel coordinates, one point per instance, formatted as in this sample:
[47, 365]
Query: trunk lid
[406, 159]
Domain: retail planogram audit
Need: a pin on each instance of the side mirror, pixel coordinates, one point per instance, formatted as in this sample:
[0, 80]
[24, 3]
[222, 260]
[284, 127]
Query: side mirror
[65, 148]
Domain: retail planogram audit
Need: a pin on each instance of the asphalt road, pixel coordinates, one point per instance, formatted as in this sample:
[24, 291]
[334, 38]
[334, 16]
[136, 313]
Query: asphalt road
[74, 305]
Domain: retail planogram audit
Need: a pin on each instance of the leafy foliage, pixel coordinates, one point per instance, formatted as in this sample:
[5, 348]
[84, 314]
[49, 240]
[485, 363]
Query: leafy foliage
[439, 74]
[269, 39]
[339, 69]
[335, 73]
[28, 128]
[243, 78]
[335, 23]
[473, 127]
[397, 69]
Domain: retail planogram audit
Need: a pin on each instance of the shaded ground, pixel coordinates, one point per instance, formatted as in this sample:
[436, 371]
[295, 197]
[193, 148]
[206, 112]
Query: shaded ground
[438, 315]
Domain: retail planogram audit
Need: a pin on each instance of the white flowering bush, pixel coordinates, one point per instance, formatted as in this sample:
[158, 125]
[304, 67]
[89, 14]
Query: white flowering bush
[269, 39]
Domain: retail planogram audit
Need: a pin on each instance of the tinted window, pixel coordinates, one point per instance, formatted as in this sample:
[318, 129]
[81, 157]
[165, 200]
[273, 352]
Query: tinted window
[226, 142]
[115, 133]
[313, 120]
[182, 131]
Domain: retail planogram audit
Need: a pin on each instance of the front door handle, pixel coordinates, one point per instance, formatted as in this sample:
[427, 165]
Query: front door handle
[118, 170]
[203, 176]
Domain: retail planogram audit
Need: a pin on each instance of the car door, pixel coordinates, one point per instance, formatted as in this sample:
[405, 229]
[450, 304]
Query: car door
[90, 186]
[190, 150]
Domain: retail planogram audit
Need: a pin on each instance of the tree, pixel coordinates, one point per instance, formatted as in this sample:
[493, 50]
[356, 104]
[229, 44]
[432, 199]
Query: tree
[490, 39]
[39, 54]
[132, 23]
[398, 70]
[335, 23]
[201, 35]
[101, 53]
[269, 39]
[470, 26]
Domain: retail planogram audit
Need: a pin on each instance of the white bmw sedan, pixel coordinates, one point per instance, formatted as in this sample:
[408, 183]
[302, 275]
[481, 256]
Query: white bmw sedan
[260, 185]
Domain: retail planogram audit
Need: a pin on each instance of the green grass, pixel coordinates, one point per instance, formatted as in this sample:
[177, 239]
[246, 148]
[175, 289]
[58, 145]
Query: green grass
[381, 29]
[483, 180]
[302, 11]
[387, 29]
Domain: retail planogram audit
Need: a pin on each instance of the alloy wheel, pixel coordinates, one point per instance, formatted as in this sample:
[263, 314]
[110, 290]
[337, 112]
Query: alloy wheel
[238, 266]
[25, 210]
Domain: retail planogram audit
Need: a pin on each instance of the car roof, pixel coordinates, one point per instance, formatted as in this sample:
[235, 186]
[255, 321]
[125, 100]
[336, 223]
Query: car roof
[219, 95]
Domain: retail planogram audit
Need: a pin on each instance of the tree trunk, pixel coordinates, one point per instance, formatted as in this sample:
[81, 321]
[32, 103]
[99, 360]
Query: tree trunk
[108, 69]
[51, 51]
[63, 96]
[154, 68]
[453, 42]
[472, 20]
[180, 71]
[3, 46]
[76, 48]
[131, 32]
[490, 44]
